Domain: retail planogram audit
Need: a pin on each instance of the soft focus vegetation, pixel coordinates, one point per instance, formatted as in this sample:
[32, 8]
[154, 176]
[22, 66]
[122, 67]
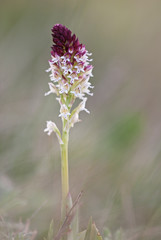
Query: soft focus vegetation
[115, 151]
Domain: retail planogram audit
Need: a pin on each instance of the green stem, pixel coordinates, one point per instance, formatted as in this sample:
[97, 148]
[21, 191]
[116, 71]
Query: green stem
[64, 169]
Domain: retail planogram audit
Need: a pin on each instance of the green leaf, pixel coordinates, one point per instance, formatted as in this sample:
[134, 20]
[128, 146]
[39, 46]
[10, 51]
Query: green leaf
[51, 231]
[92, 232]
[69, 202]
[75, 223]
[81, 235]
[66, 225]
[74, 226]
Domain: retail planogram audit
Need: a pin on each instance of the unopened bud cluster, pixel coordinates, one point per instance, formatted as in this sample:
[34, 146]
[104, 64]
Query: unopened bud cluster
[70, 72]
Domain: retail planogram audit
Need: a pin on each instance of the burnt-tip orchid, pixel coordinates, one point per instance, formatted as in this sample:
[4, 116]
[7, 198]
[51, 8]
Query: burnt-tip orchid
[69, 72]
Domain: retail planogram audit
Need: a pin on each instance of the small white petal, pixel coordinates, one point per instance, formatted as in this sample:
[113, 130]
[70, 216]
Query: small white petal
[89, 54]
[53, 89]
[48, 70]
[64, 112]
[51, 127]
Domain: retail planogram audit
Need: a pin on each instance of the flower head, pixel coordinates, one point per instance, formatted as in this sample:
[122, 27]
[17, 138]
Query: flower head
[69, 64]
[70, 71]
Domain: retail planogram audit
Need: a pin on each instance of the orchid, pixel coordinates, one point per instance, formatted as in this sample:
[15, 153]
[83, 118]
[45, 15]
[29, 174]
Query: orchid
[69, 71]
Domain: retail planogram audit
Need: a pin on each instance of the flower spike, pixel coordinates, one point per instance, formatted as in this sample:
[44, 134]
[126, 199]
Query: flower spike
[70, 71]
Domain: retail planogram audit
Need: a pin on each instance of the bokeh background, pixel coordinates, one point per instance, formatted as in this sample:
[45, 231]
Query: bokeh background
[115, 152]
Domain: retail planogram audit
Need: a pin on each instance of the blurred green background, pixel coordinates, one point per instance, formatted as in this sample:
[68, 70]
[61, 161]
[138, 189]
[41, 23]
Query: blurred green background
[115, 152]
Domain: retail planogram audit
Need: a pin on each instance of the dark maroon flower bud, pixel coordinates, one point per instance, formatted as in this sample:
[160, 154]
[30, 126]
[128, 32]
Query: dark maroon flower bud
[64, 41]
